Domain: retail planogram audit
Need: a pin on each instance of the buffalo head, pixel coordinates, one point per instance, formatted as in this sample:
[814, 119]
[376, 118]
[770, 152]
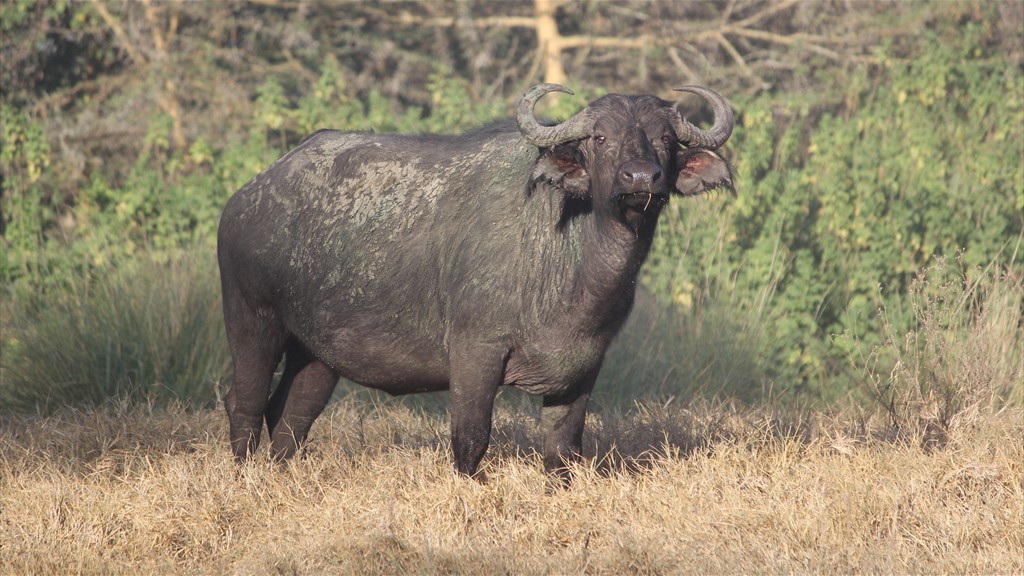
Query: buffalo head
[629, 152]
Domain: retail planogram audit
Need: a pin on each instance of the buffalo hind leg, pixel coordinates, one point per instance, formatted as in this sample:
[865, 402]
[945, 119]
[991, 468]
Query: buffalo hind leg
[562, 420]
[256, 344]
[305, 389]
[295, 359]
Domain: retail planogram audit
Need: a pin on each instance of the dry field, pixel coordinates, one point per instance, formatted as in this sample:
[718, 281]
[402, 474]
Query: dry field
[704, 489]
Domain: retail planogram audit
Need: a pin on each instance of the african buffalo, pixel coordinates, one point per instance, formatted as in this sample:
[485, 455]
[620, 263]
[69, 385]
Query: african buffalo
[411, 263]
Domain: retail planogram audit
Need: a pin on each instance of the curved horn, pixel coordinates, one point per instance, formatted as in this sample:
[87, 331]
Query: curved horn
[693, 137]
[575, 128]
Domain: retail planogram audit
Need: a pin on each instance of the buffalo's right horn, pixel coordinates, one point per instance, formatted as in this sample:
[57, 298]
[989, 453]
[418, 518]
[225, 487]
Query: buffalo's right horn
[576, 128]
[693, 137]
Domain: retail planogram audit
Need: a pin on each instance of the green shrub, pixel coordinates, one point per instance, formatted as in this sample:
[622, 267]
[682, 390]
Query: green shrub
[844, 195]
[29, 216]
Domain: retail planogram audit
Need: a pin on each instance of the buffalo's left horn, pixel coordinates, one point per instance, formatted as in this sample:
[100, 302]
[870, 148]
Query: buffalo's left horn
[575, 128]
[693, 137]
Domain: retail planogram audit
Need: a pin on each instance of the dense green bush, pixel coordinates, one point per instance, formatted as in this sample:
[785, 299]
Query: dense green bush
[843, 197]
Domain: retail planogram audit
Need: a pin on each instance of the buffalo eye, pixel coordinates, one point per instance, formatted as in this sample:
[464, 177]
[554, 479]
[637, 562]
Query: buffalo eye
[600, 138]
[666, 140]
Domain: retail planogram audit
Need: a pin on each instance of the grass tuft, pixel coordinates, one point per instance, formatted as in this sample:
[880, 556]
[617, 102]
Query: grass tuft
[669, 353]
[962, 356]
[150, 332]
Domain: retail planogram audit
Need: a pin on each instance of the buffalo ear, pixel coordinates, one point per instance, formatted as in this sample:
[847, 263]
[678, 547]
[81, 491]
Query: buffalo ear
[701, 171]
[561, 167]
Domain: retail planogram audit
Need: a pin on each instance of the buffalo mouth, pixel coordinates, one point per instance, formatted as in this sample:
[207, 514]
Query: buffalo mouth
[641, 201]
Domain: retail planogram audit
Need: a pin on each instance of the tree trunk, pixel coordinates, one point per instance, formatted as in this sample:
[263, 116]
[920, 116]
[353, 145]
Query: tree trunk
[549, 41]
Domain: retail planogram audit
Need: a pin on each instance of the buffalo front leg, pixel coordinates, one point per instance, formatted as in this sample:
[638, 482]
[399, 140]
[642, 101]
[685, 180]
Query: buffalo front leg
[475, 376]
[561, 421]
[306, 387]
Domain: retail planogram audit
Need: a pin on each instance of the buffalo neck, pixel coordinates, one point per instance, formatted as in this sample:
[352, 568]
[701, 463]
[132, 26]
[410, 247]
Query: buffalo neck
[583, 253]
[611, 259]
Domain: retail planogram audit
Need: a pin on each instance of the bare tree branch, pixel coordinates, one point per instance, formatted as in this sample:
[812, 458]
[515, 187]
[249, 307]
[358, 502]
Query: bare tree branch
[728, 47]
[551, 44]
[115, 25]
[768, 11]
[169, 99]
[549, 41]
[499, 21]
[606, 41]
[673, 54]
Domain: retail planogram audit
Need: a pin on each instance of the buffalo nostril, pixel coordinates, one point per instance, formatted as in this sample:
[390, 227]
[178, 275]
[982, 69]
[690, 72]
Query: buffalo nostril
[640, 173]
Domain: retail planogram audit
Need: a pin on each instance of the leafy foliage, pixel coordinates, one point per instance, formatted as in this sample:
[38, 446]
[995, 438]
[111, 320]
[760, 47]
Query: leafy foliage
[844, 197]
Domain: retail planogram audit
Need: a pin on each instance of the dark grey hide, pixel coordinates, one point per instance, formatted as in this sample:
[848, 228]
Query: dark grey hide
[508, 255]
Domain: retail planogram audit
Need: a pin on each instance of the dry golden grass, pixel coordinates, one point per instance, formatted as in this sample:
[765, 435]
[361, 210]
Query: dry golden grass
[708, 489]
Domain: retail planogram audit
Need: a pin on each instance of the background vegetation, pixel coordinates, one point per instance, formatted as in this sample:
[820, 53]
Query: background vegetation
[873, 250]
[823, 374]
